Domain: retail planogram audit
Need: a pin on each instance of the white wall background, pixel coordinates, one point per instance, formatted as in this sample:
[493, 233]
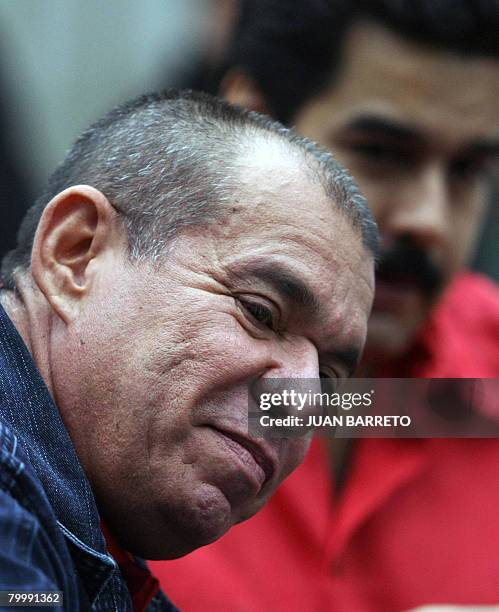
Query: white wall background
[66, 62]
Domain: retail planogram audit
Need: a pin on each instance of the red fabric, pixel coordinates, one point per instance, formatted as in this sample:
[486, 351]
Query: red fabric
[417, 522]
[142, 586]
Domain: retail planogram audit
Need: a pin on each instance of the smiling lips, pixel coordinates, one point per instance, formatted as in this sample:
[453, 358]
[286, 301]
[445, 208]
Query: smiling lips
[259, 461]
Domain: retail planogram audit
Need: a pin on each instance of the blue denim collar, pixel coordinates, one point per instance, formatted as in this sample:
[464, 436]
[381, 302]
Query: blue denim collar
[33, 416]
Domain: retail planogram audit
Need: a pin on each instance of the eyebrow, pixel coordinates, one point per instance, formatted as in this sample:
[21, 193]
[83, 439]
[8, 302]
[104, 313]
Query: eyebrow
[383, 126]
[375, 124]
[283, 280]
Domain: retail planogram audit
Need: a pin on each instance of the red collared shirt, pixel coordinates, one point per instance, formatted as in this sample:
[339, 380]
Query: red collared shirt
[417, 521]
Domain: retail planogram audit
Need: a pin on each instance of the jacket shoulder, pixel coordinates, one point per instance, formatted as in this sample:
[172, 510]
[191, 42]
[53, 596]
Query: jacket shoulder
[34, 555]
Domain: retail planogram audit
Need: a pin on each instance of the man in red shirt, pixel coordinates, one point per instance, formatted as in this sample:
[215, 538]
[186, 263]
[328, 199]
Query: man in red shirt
[405, 93]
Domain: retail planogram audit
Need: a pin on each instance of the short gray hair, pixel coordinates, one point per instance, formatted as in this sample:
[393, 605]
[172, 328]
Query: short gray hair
[169, 161]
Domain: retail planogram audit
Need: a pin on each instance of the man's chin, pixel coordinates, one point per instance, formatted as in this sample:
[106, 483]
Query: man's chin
[169, 532]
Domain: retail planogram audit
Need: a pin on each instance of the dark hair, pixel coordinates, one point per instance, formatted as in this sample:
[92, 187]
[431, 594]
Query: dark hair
[172, 160]
[292, 48]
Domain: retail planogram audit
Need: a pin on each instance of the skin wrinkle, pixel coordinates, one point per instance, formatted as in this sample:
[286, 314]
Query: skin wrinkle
[298, 237]
[340, 316]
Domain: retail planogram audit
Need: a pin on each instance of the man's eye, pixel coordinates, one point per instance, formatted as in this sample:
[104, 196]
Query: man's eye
[467, 167]
[261, 313]
[375, 151]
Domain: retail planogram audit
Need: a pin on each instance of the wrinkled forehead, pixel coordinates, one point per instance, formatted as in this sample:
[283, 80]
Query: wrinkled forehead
[282, 211]
[442, 90]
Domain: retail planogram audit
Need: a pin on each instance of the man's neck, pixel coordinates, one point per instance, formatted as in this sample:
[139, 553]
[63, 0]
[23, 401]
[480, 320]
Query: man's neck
[26, 310]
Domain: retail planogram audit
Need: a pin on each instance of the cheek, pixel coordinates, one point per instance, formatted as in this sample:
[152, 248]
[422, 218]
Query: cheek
[216, 353]
[211, 359]
[465, 230]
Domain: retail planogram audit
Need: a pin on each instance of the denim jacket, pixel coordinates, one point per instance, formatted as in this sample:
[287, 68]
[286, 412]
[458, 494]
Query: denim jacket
[50, 534]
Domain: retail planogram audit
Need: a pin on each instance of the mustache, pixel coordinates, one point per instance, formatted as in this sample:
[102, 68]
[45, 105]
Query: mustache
[407, 261]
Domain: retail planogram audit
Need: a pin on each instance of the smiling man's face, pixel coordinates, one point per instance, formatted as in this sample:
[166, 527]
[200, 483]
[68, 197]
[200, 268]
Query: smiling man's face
[151, 379]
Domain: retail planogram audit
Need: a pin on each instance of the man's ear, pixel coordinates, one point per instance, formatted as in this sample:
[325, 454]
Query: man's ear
[75, 228]
[240, 88]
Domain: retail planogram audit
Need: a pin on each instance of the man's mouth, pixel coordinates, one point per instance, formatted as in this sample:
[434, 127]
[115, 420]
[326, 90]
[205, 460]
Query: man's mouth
[406, 272]
[259, 460]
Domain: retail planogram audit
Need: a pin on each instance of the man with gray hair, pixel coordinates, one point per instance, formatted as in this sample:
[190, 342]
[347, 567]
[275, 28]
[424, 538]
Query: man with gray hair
[184, 249]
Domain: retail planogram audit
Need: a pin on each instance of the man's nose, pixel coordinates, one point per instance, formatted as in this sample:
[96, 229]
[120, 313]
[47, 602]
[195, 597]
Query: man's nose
[296, 357]
[296, 363]
[421, 210]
